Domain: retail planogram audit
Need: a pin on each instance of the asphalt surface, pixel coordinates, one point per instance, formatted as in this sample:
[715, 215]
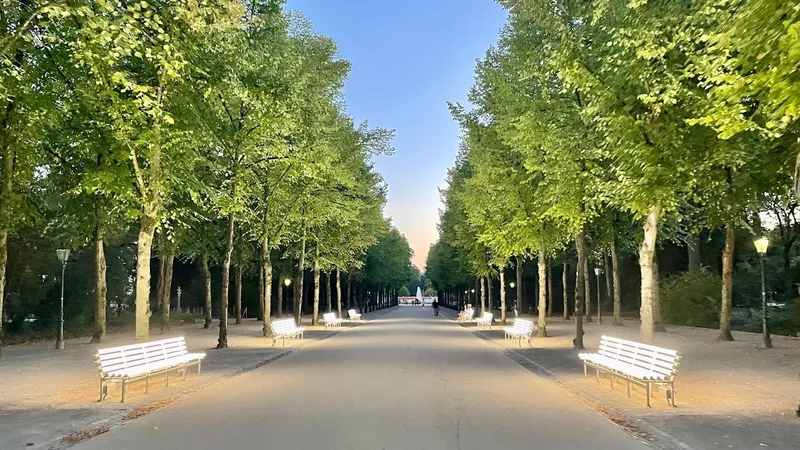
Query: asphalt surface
[407, 380]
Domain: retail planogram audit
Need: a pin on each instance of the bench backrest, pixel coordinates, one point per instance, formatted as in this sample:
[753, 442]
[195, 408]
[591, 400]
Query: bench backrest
[282, 326]
[523, 326]
[329, 317]
[135, 355]
[660, 360]
[487, 316]
[352, 313]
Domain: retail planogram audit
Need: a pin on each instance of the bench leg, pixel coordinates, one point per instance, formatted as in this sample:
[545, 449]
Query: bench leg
[103, 390]
[628, 386]
[647, 389]
[184, 372]
[199, 363]
[597, 375]
[147, 383]
[671, 395]
[585, 372]
[167, 378]
[611, 377]
[124, 386]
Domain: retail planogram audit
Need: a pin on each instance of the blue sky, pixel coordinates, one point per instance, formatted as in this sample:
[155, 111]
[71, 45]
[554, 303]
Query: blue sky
[409, 57]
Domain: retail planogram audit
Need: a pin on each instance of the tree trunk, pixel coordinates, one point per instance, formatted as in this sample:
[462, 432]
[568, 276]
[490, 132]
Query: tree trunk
[489, 296]
[565, 289]
[166, 287]
[607, 269]
[587, 290]
[617, 289]
[693, 251]
[261, 292]
[315, 315]
[266, 300]
[222, 342]
[207, 280]
[580, 289]
[550, 297]
[100, 290]
[339, 292]
[727, 286]
[542, 325]
[298, 279]
[502, 296]
[144, 247]
[349, 289]
[329, 283]
[646, 254]
[237, 293]
[520, 299]
[483, 294]
[658, 322]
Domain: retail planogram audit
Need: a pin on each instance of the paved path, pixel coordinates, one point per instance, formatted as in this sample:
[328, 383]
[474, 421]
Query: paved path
[404, 381]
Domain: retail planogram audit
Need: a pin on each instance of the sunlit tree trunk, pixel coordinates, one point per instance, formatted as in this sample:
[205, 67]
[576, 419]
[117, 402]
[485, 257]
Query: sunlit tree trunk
[617, 289]
[101, 290]
[483, 294]
[222, 342]
[542, 325]
[607, 269]
[298, 278]
[502, 296]
[166, 286]
[489, 296]
[329, 283]
[339, 292]
[261, 292]
[646, 255]
[580, 281]
[8, 148]
[144, 247]
[315, 314]
[266, 299]
[658, 321]
[727, 286]
[207, 283]
[565, 290]
[587, 286]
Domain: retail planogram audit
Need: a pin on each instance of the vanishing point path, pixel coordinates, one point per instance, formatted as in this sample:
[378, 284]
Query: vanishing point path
[406, 380]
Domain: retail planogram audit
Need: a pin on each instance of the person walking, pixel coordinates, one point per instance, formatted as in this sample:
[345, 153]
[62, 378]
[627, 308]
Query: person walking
[435, 306]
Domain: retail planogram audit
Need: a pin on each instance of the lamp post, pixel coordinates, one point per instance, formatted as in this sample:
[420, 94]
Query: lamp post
[598, 271]
[287, 282]
[63, 255]
[761, 248]
[512, 285]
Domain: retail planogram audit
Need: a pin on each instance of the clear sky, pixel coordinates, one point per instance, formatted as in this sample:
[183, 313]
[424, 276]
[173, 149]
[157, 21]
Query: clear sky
[409, 57]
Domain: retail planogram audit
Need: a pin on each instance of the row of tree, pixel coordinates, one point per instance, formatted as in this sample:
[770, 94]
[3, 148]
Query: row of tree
[612, 126]
[212, 131]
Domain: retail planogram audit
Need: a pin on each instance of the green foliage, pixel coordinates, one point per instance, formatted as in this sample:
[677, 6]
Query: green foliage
[691, 299]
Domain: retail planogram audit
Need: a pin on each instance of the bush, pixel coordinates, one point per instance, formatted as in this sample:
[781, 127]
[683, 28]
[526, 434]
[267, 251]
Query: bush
[692, 299]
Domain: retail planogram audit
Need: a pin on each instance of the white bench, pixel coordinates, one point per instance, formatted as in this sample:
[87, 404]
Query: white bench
[521, 330]
[136, 362]
[285, 329]
[466, 316]
[641, 364]
[485, 320]
[353, 315]
[331, 320]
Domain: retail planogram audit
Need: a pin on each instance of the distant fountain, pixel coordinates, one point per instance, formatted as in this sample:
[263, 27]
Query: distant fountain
[419, 295]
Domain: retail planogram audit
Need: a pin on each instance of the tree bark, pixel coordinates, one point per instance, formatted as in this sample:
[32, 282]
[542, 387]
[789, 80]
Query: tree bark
[609, 282]
[587, 290]
[550, 297]
[483, 294]
[646, 254]
[502, 296]
[266, 300]
[166, 287]
[207, 280]
[565, 289]
[339, 292]
[727, 286]
[520, 299]
[349, 289]
[298, 278]
[144, 247]
[542, 325]
[261, 292]
[658, 321]
[222, 342]
[693, 251]
[237, 293]
[329, 283]
[489, 296]
[617, 289]
[100, 290]
[315, 315]
[580, 281]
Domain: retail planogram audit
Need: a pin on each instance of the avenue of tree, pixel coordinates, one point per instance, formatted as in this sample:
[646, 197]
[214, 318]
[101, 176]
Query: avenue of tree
[602, 130]
[206, 136]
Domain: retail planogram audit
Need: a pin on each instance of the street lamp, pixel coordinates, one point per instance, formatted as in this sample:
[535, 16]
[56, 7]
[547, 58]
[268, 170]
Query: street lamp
[63, 255]
[287, 282]
[761, 248]
[598, 271]
[512, 285]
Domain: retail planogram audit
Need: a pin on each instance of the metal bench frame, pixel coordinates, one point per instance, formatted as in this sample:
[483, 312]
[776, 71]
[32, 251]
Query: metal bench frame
[285, 329]
[353, 315]
[521, 329]
[130, 363]
[641, 364]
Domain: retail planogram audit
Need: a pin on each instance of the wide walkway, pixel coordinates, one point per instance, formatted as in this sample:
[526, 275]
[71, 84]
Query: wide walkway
[407, 380]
